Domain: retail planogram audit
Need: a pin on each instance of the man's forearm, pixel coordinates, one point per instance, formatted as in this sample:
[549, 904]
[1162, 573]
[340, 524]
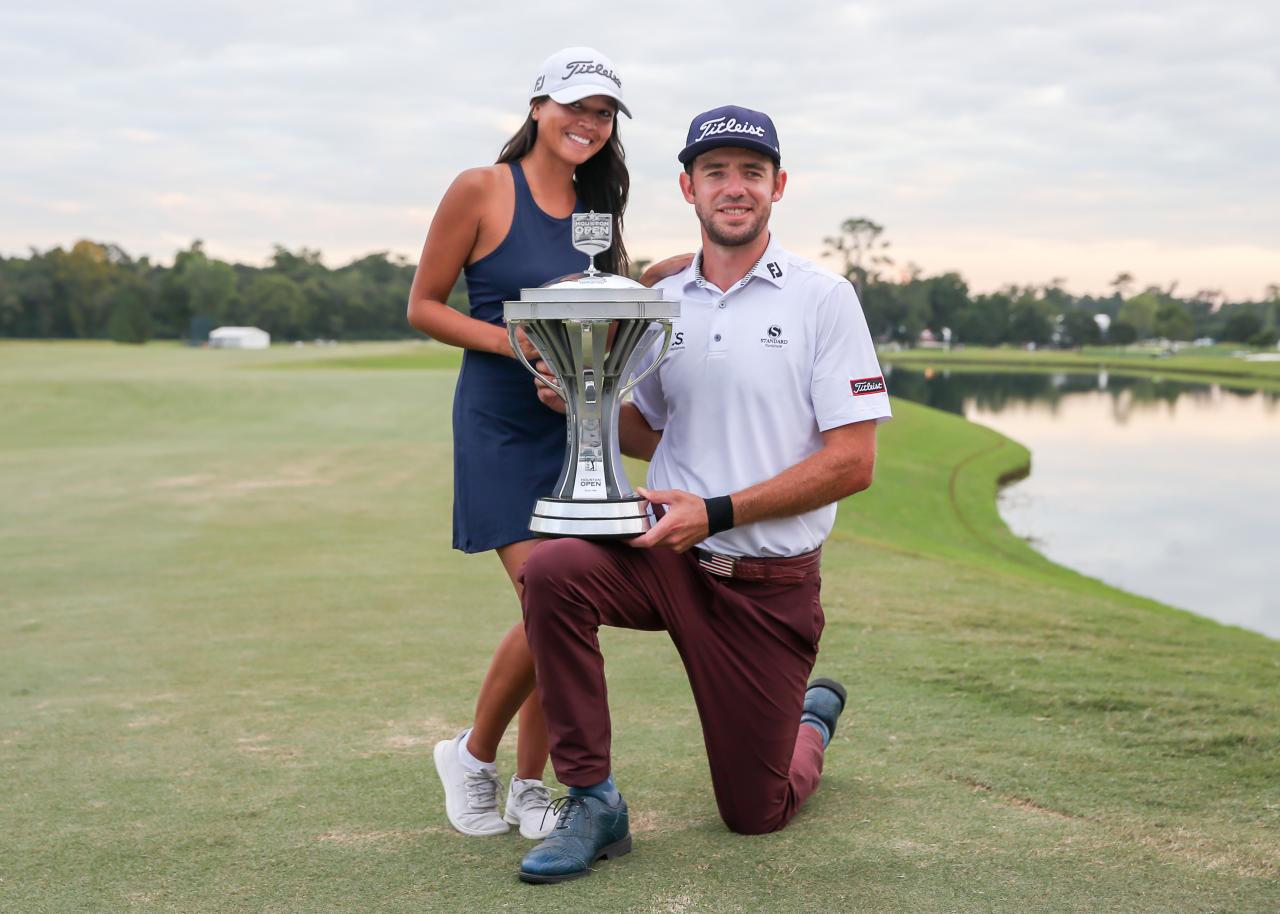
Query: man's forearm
[843, 466]
[635, 437]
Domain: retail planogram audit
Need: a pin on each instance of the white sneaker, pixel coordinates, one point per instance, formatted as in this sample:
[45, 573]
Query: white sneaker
[470, 797]
[528, 805]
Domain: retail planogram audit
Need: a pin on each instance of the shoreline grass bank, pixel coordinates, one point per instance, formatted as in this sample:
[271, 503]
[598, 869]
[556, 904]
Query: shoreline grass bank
[233, 630]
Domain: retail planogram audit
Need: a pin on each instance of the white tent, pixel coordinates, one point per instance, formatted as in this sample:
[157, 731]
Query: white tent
[239, 338]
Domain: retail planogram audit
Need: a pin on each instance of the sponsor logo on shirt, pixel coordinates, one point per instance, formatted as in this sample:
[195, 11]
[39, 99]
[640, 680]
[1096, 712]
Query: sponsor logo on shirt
[590, 68]
[863, 386]
[677, 341]
[774, 270]
[774, 338]
[727, 125]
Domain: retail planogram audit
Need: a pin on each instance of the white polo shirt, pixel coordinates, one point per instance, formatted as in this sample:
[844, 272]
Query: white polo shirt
[754, 376]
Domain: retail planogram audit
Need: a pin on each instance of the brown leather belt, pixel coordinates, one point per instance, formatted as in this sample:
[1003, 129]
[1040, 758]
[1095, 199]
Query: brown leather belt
[787, 570]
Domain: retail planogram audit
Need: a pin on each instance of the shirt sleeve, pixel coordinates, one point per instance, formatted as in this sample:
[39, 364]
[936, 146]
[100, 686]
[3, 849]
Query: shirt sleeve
[848, 385]
[648, 395]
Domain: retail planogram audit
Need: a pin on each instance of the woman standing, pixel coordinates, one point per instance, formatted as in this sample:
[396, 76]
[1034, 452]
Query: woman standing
[508, 227]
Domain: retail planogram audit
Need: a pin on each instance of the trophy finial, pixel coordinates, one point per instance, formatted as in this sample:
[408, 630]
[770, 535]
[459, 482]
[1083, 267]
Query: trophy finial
[592, 235]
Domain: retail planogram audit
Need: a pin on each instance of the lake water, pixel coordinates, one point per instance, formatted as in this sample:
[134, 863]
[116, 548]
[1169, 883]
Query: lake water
[1163, 488]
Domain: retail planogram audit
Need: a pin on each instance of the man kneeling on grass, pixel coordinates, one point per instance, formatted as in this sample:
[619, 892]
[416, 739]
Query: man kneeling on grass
[761, 417]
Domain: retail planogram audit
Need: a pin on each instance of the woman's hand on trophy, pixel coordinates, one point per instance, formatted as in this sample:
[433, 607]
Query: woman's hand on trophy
[526, 346]
[664, 268]
[545, 393]
[682, 527]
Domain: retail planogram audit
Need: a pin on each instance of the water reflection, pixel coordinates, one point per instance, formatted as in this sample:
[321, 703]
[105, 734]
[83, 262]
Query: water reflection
[994, 391]
[1164, 488]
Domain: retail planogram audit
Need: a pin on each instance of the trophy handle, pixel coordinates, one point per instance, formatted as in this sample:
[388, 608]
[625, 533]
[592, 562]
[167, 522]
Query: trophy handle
[553, 384]
[666, 344]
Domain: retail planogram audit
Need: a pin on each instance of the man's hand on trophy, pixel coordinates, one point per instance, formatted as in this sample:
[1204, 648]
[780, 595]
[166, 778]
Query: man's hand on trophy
[664, 268]
[548, 396]
[526, 346]
[682, 527]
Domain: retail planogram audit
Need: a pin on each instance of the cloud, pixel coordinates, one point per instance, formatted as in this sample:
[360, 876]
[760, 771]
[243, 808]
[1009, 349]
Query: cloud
[1080, 126]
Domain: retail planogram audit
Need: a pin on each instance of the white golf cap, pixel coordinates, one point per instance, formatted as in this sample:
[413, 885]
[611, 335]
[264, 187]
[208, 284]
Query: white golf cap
[573, 74]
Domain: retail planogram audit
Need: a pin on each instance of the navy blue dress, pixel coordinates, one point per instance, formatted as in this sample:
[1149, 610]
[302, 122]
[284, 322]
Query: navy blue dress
[508, 447]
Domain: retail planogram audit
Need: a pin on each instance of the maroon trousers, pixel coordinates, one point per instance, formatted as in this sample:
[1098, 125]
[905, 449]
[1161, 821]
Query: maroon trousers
[748, 648]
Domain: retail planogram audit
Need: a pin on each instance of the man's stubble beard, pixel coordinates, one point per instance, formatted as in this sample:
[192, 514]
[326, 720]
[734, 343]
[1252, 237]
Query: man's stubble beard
[744, 236]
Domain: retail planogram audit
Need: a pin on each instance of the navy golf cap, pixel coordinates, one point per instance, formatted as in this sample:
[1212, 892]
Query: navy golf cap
[731, 126]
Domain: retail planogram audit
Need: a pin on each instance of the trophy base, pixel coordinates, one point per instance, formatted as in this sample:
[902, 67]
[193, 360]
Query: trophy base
[597, 520]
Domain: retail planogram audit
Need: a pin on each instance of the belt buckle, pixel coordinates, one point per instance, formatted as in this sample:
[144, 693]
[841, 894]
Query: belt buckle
[722, 566]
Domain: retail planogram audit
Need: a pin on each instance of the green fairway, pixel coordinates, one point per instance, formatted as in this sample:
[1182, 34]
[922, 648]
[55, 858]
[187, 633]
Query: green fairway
[232, 629]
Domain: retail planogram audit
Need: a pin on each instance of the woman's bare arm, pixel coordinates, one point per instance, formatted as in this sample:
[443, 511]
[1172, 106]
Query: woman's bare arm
[450, 240]
[664, 268]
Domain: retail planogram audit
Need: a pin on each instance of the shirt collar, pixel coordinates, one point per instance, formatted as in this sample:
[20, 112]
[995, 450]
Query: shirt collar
[771, 267]
[774, 263]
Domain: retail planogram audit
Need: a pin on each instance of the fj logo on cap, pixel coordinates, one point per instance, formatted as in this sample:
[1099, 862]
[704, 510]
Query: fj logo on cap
[863, 386]
[538, 85]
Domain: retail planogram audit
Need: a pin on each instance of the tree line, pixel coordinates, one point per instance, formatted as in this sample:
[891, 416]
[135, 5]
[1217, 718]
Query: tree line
[903, 307]
[98, 291]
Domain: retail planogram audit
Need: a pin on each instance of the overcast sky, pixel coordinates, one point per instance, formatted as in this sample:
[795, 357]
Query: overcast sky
[1010, 141]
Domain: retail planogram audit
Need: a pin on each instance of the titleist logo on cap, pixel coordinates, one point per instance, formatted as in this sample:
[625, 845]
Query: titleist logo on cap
[588, 68]
[727, 125]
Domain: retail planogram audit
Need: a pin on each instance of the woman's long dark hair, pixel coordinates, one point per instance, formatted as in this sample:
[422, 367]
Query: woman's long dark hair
[603, 184]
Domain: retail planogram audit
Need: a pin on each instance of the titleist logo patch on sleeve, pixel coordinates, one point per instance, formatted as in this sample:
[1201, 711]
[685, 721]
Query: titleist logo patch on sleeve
[863, 386]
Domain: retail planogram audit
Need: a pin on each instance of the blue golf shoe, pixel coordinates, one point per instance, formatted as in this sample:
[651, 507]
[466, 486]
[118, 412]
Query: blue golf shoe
[587, 829]
[823, 702]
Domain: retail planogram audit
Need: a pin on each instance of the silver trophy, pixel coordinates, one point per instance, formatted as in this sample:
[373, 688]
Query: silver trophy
[592, 329]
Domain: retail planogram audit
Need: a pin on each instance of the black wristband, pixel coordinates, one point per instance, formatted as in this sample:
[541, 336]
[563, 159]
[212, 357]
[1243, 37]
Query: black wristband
[719, 514]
